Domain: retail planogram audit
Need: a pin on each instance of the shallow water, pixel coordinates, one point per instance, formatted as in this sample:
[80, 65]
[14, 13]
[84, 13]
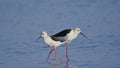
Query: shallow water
[21, 22]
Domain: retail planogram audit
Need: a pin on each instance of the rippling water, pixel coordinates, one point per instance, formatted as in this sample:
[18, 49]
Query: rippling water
[21, 22]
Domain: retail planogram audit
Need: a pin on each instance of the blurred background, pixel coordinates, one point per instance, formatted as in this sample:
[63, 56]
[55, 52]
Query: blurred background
[21, 22]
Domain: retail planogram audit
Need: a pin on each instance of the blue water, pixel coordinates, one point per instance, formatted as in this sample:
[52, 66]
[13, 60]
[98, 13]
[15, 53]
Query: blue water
[21, 22]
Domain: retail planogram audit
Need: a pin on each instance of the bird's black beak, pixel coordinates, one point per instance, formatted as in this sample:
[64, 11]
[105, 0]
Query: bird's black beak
[83, 34]
[38, 38]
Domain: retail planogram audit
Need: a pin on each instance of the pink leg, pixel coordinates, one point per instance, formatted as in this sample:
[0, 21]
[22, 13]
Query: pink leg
[57, 56]
[67, 64]
[67, 51]
[49, 55]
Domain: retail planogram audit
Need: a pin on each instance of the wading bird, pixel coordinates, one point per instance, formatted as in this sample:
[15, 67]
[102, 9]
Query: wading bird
[68, 35]
[65, 36]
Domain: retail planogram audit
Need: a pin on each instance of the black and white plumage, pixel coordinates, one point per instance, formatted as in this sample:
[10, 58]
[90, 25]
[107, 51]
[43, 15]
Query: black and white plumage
[51, 41]
[69, 34]
[59, 38]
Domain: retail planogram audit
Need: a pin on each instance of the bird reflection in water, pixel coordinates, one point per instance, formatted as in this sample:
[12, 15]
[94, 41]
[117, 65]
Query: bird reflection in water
[60, 65]
[67, 64]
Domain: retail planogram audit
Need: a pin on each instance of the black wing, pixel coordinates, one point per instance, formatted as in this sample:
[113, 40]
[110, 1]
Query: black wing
[62, 33]
[56, 38]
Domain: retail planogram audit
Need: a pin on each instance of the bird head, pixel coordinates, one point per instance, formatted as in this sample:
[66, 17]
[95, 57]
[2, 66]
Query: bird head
[43, 34]
[78, 31]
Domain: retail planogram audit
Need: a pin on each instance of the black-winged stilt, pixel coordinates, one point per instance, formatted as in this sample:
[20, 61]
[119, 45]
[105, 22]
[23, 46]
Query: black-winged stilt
[53, 42]
[65, 36]
[69, 35]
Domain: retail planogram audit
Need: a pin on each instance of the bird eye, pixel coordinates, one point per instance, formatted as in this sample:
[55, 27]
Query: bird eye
[43, 34]
[78, 30]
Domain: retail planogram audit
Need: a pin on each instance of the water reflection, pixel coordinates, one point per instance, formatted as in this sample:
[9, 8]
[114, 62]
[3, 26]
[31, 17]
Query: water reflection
[57, 65]
[60, 65]
[67, 64]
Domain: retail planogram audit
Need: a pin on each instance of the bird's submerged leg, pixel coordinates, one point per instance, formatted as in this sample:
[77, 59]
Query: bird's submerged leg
[57, 56]
[49, 55]
[67, 51]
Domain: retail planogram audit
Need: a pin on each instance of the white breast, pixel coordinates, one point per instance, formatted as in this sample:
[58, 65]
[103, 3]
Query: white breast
[71, 36]
[51, 42]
